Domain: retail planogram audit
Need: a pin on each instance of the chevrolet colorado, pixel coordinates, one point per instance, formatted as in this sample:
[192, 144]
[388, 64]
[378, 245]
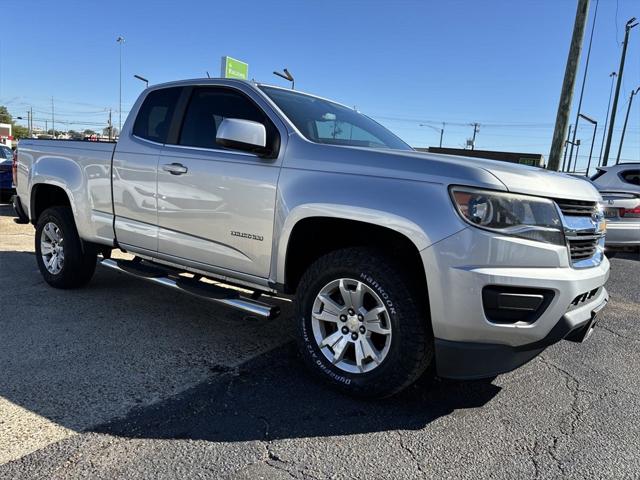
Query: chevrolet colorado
[397, 259]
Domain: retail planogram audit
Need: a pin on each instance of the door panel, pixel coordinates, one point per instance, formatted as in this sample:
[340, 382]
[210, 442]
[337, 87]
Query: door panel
[221, 211]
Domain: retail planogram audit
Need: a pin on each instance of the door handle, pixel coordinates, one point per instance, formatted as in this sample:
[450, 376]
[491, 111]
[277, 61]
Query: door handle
[175, 168]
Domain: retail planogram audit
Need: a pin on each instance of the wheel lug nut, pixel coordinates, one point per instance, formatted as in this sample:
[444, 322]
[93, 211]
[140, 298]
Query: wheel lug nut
[345, 330]
[362, 329]
[360, 317]
[351, 312]
[343, 318]
[354, 336]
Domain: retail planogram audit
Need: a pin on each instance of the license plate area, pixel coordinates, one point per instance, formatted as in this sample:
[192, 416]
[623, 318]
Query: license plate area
[611, 213]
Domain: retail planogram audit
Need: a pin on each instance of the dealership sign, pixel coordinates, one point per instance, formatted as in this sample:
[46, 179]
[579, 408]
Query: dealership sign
[232, 68]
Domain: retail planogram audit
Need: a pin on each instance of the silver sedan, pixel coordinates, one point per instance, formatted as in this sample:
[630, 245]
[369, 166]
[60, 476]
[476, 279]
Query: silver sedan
[620, 189]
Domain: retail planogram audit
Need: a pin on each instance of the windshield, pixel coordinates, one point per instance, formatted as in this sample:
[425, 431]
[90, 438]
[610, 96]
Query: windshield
[322, 121]
[6, 153]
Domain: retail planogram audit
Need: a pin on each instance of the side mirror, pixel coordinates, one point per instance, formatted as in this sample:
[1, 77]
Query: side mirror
[245, 135]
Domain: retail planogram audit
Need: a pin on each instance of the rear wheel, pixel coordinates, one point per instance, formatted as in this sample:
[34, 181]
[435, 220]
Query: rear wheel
[62, 259]
[361, 327]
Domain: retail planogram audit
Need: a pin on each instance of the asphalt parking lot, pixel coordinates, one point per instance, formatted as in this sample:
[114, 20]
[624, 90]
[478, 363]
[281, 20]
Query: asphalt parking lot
[126, 380]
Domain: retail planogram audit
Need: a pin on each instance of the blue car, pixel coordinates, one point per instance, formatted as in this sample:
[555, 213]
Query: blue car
[6, 175]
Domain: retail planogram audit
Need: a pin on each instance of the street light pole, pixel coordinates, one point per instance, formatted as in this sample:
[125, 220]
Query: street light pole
[142, 79]
[593, 140]
[120, 41]
[606, 118]
[576, 162]
[287, 76]
[626, 119]
[439, 130]
[630, 24]
[566, 142]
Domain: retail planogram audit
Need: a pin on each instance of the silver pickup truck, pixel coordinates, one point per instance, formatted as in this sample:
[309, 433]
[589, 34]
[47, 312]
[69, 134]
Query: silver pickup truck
[397, 259]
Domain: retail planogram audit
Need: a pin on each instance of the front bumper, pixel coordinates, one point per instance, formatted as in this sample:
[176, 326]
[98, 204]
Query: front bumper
[469, 360]
[460, 266]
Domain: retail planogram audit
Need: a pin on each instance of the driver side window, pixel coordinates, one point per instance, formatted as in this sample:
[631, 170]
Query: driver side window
[207, 108]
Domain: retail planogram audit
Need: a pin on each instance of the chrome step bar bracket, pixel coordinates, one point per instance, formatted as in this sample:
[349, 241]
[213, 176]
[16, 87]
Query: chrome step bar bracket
[234, 300]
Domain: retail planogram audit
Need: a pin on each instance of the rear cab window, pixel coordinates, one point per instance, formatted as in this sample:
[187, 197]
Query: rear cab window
[156, 113]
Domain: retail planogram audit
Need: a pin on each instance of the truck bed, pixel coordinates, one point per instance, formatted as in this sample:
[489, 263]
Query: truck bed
[87, 164]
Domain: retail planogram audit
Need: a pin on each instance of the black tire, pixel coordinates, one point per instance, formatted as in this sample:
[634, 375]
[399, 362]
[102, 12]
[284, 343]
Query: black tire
[411, 349]
[79, 260]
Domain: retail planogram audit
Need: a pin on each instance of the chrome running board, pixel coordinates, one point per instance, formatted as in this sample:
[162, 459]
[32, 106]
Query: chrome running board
[214, 293]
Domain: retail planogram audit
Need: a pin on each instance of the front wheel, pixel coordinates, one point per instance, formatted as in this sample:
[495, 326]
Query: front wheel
[360, 327]
[62, 259]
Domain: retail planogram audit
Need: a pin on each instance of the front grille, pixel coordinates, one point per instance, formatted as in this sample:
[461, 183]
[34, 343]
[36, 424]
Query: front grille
[5, 168]
[577, 207]
[583, 246]
[583, 242]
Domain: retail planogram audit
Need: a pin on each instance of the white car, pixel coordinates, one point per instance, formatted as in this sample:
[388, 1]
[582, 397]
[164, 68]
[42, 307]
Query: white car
[619, 186]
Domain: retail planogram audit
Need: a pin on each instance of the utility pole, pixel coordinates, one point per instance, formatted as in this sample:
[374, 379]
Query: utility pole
[441, 134]
[584, 77]
[606, 118]
[110, 126]
[630, 24]
[626, 119]
[476, 129]
[53, 119]
[566, 142]
[566, 95]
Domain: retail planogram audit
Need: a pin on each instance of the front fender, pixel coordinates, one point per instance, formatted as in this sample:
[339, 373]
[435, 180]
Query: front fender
[346, 212]
[420, 211]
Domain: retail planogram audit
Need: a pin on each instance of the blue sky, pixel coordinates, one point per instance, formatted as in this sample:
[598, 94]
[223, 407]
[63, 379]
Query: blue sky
[499, 63]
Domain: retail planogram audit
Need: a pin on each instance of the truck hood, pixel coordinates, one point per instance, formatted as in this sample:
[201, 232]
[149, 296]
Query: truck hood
[530, 180]
[439, 168]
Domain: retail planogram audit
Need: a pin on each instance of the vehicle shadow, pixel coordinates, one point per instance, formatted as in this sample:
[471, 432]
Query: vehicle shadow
[174, 366]
[274, 397]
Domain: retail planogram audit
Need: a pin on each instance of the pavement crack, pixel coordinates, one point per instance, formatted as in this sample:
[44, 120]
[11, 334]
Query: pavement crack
[411, 453]
[275, 461]
[575, 388]
[534, 458]
[617, 334]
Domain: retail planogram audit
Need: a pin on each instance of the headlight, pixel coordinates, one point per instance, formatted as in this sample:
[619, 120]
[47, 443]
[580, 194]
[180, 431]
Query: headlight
[521, 216]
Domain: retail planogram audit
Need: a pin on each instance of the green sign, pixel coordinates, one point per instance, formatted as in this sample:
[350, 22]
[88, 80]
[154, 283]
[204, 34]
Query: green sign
[232, 68]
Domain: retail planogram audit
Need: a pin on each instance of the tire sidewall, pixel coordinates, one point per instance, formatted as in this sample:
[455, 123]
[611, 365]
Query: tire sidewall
[390, 293]
[50, 216]
[79, 262]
